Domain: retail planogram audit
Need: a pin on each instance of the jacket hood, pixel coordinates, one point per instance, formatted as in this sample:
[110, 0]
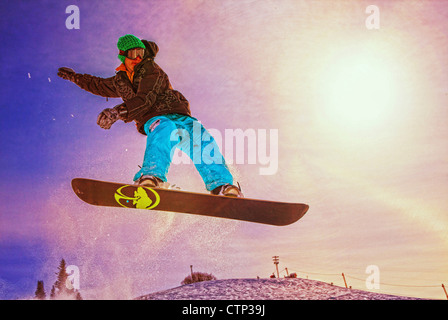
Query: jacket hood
[151, 49]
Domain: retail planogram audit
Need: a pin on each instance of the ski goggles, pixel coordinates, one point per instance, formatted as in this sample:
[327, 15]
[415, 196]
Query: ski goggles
[133, 53]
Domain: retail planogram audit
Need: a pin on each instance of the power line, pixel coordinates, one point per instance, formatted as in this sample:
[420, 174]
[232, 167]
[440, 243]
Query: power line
[396, 285]
[382, 283]
[276, 262]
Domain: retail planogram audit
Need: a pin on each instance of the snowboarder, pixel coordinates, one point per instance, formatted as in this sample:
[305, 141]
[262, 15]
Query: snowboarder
[159, 112]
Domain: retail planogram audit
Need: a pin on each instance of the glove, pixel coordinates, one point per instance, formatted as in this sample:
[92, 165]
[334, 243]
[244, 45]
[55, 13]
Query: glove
[111, 115]
[66, 73]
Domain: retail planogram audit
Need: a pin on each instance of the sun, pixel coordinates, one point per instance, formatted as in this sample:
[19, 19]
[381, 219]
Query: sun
[357, 93]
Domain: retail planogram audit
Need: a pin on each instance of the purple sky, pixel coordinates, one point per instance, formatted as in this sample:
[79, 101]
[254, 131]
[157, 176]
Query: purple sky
[362, 137]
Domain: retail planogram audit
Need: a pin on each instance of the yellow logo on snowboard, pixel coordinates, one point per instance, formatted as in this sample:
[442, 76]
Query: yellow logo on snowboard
[140, 200]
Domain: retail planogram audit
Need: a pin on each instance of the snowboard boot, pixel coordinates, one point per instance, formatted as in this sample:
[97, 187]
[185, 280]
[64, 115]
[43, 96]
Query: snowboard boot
[149, 181]
[228, 190]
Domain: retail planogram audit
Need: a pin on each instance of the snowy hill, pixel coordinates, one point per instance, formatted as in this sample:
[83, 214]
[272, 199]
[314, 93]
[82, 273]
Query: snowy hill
[266, 289]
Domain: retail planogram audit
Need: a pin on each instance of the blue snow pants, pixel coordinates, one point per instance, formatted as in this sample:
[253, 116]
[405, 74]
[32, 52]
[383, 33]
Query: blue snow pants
[171, 131]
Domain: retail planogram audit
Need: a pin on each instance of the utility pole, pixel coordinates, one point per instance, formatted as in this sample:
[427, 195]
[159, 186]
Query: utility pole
[345, 282]
[276, 259]
[191, 269]
[443, 286]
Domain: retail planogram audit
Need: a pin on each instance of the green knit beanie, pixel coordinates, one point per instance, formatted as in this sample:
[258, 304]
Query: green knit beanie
[127, 42]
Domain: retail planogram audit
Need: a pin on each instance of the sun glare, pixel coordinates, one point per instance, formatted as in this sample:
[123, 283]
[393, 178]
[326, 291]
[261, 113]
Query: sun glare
[358, 93]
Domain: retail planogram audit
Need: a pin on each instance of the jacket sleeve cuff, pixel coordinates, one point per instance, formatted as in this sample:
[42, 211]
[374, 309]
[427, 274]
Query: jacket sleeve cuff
[122, 111]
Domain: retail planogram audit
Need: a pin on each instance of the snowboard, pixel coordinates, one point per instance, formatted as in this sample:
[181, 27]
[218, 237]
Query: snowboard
[111, 194]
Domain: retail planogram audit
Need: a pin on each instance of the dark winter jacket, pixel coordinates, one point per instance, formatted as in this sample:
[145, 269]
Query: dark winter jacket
[150, 93]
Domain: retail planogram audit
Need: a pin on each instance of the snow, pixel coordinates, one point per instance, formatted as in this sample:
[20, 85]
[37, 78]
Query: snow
[266, 289]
